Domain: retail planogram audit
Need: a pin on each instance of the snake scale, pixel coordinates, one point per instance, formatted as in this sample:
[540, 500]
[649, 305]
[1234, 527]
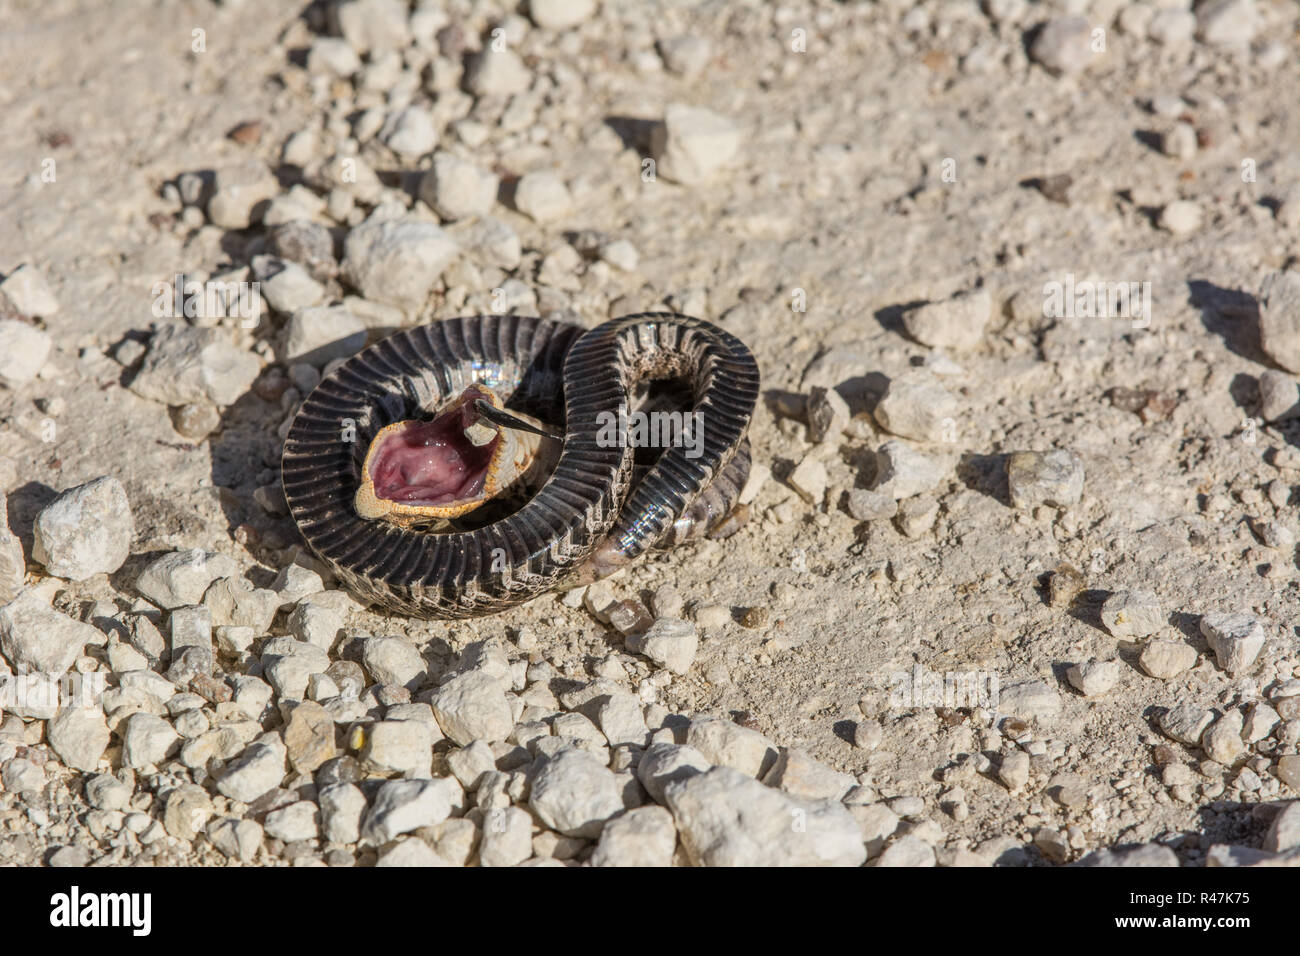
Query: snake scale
[599, 507]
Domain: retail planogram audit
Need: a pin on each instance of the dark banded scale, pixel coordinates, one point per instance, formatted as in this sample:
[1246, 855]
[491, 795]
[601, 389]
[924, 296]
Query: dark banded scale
[596, 511]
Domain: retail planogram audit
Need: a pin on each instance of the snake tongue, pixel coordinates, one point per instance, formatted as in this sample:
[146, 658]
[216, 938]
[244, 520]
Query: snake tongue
[505, 419]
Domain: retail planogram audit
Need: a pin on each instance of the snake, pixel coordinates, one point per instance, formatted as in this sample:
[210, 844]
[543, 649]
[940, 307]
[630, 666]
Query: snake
[468, 465]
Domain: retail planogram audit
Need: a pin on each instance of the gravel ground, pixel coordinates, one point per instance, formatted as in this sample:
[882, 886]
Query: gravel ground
[1018, 583]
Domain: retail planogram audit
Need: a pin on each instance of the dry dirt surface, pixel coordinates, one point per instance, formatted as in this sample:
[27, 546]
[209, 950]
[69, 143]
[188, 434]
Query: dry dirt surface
[1018, 580]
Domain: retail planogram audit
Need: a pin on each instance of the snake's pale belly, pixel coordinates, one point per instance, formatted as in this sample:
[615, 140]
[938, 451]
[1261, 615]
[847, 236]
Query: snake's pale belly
[597, 510]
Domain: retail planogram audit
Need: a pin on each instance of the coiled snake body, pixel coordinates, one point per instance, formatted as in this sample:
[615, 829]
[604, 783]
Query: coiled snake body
[597, 510]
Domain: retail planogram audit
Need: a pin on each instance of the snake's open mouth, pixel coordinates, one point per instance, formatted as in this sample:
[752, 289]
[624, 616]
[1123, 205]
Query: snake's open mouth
[427, 472]
[434, 463]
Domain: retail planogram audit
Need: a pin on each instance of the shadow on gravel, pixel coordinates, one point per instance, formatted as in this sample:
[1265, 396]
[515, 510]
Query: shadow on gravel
[1244, 390]
[891, 316]
[1232, 315]
[986, 474]
[1148, 138]
[25, 503]
[245, 454]
[634, 132]
[1189, 625]
[1242, 825]
[844, 729]
[1086, 608]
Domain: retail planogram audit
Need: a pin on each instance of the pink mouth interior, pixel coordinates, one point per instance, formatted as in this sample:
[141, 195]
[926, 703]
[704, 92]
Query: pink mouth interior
[433, 463]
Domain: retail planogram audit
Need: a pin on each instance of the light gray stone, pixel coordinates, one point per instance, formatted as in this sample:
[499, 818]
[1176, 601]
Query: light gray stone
[237, 839]
[1229, 23]
[34, 696]
[916, 406]
[148, 741]
[398, 747]
[412, 852]
[1180, 217]
[233, 601]
[1062, 45]
[317, 624]
[1235, 638]
[1165, 659]
[341, 808]
[258, 770]
[410, 133]
[809, 479]
[956, 323]
[1029, 699]
[29, 293]
[643, 837]
[1093, 678]
[1259, 723]
[903, 472]
[560, 14]
[371, 26]
[663, 763]
[188, 365]
[1279, 318]
[507, 837]
[1052, 478]
[391, 660]
[24, 350]
[496, 72]
[693, 144]
[621, 720]
[1185, 722]
[687, 54]
[543, 196]
[1133, 614]
[907, 851]
[13, 565]
[725, 744]
[397, 262]
[726, 818]
[297, 821]
[36, 637]
[86, 530]
[319, 334]
[79, 735]
[182, 577]
[285, 285]
[575, 794]
[1014, 770]
[334, 56]
[458, 189]
[799, 775]
[868, 505]
[669, 642]
[489, 242]
[472, 707]
[1284, 832]
[1222, 740]
[401, 806]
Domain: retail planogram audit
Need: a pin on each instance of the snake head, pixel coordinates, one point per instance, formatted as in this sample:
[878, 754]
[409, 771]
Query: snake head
[423, 473]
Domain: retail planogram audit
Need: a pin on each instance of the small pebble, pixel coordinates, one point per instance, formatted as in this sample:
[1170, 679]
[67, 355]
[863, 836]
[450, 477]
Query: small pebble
[1053, 478]
[1180, 217]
